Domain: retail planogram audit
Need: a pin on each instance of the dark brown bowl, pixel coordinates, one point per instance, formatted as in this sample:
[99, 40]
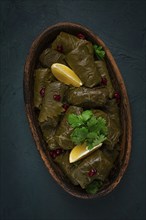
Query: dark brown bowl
[41, 42]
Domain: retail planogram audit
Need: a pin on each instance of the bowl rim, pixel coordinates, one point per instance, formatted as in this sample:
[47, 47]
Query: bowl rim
[28, 107]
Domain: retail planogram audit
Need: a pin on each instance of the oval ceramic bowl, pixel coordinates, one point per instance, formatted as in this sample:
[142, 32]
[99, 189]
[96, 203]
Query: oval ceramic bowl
[37, 47]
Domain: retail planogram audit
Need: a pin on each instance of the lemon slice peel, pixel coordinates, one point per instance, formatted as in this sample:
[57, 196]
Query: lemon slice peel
[66, 75]
[81, 151]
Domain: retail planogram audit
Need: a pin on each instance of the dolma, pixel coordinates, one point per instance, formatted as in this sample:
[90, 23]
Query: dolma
[82, 63]
[69, 42]
[103, 72]
[51, 108]
[98, 161]
[87, 97]
[63, 162]
[113, 110]
[96, 94]
[41, 76]
[48, 134]
[113, 129]
[111, 155]
[64, 130]
[50, 56]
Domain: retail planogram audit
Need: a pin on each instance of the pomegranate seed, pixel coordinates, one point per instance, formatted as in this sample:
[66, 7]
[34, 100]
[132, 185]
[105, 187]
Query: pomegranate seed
[117, 96]
[60, 48]
[65, 106]
[103, 81]
[92, 172]
[58, 151]
[54, 155]
[51, 152]
[57, 98]
[81, 36]
[42, 92]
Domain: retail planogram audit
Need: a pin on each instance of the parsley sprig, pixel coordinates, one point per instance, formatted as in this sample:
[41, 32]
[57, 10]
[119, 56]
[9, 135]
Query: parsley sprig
[87, 128]
[100, 53]
[94, 187]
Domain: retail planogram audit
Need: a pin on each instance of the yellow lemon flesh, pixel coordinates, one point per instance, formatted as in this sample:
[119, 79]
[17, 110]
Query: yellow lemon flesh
[66, 75]
[81, 151]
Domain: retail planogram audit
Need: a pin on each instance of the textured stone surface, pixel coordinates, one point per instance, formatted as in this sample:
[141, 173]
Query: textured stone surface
[27, 190]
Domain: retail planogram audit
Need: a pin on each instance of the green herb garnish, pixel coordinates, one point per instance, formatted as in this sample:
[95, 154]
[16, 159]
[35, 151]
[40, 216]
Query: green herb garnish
[79, 135]
[87, 128]
[100, 53]
[94, 187]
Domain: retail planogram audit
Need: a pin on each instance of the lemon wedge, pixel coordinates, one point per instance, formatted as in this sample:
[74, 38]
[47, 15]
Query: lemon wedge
[81, 151]
[64, 74]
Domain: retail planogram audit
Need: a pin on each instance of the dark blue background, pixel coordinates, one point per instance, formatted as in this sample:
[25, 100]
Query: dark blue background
[28, 192]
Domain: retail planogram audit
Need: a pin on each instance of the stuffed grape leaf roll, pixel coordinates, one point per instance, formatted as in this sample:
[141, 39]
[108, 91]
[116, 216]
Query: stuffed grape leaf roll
[111, 154]
[69, 42]
[98, 161]
[113, 109]
[63, 162]
[52, 108]
[48, 134]
[64, 130]
[87, 97]
[50, 56]
[103, 72]
[114, 130]
[41, 77]
[83, 64]
[113, 112]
